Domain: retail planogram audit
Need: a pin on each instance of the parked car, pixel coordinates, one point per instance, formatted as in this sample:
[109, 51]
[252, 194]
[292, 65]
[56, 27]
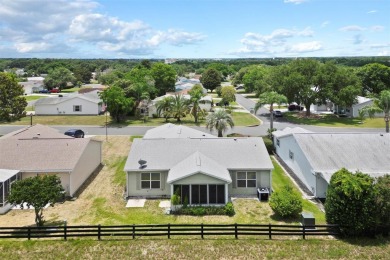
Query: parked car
[295, 108]
[77, 133]
[44, 91]
[277, 113]
[55, 90]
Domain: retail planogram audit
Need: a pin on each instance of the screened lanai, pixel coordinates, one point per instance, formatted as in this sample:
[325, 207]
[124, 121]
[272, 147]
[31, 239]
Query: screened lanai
[7, 177]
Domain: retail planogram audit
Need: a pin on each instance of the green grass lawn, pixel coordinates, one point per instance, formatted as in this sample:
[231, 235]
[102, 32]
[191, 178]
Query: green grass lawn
[280, 179]
[334, 121]
[29, 108]
[31, 98]
[244, 119]
[70, 90]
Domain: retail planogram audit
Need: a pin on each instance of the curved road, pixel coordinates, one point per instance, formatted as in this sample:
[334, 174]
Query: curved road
[261, 130]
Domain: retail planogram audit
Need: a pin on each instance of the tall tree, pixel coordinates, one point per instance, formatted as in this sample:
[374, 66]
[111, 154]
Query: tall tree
[375, 78]
[59, 78]
[228, 94]
[82, 74]
[164, 76]
[381, 104]
[211, 79]
[196, 94]
[164, 106]
[220, 120]
[12, 101]
[117, 103]
[37, 192]
[270, 98]
[179, 107]
[255, 79]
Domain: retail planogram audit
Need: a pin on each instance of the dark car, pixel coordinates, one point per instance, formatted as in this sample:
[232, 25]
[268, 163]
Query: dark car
[295, 108]
[278, 113]
[44, 91]
[77, 133]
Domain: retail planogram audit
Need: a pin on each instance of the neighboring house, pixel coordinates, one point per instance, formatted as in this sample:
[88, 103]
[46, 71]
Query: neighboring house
[183, 83]
[74, 104]
[204, 103]
[7, 177]
[314, 157]
[202, 170]
[39, 149]
[361, 103]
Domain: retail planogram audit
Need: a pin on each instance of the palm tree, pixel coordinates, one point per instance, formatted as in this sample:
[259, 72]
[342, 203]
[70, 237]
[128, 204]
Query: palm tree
[220, 120]
[196, 95]
[381, 104]
[179, 107]
[270, 97]
[164, 107]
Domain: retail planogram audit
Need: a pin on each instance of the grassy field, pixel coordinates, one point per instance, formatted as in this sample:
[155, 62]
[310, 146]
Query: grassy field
[31, 98]
[333, 121]
[240, 119]
[70, 90]
[197, 249]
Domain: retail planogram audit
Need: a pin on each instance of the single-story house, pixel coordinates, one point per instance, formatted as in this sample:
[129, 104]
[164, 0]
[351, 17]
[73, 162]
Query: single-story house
[204, 103]
[201, 170]
[175, 131]
[39, 149]
[74, 104]
[314, 157]
[7, 177]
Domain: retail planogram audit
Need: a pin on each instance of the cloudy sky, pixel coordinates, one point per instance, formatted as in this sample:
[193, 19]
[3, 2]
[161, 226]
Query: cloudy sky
[193, 28]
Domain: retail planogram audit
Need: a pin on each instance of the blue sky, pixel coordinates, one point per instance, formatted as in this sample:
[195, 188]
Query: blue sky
[193, 28]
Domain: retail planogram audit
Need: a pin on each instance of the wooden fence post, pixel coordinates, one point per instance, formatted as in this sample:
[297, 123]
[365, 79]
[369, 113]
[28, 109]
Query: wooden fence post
[65, 232]
[235, 231]
[304, 235]
[99, 232]
[269, 231]
[29, 233]
[133, 231]
[169, 231]
[201, 230]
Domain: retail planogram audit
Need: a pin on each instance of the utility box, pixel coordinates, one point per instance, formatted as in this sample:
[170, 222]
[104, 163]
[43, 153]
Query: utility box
[308, 219]
[263, 194]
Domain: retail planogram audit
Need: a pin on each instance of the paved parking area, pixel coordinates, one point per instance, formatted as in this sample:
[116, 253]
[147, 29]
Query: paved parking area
[135, 203]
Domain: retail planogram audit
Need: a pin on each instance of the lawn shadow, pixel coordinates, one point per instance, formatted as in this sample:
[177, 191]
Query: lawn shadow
[289, 220]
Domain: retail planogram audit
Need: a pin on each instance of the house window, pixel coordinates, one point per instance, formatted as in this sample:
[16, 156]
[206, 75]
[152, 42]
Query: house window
[77, 108]
[201, 194]
[246, 179]
[150, 180]
[216, 194]
[291, 154]
[277, 142]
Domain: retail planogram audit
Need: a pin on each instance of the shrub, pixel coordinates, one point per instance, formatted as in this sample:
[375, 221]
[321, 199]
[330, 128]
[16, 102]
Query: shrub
[229, 209]
[219, 91]
[286, 202]
[268, 144]
[350, 202]
[175, 199]
[382, 203]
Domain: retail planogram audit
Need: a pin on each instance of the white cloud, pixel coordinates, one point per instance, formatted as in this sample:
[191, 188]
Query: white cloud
[297, 2]
[33, 26]
[305, 47]
[377, 28]
[351, 28]
[372, 12]
[324, 24]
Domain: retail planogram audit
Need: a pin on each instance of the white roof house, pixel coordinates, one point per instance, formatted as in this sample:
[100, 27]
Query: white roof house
[314, 157]
[40, 149]
[175, 131]
[75, 104]
[158, 167]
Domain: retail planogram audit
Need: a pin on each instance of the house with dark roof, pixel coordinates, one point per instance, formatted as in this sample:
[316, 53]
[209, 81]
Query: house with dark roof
[39, 149]
[202, 169]
[74, 104]
[315, 157]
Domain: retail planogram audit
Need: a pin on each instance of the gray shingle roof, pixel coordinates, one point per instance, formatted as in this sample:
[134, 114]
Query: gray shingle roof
[35, 131]
[163, 154]
[57, 100]
[198, 163]
[329, 152]
[288, 131]
[175, 131]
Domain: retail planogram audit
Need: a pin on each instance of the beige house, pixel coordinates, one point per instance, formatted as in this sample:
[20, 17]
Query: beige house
[203, 169]
[40, 149]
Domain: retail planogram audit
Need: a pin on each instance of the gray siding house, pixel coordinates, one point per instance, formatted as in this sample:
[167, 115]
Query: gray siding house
[314, 157]
[203, 170]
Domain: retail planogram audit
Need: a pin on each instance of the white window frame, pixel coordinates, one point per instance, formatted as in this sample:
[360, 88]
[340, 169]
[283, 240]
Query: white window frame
[246, 179]
[79, 108]
[150, 180]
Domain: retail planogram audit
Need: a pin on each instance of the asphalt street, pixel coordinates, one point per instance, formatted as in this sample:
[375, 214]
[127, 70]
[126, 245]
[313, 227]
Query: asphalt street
[260, 130]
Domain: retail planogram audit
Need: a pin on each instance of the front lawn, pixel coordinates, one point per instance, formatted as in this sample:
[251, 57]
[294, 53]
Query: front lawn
[244, 119]
[31, 98]
[333, 120]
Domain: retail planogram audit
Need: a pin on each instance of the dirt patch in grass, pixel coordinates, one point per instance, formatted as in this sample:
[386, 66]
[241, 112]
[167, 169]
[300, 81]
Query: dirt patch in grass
[81, 210]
